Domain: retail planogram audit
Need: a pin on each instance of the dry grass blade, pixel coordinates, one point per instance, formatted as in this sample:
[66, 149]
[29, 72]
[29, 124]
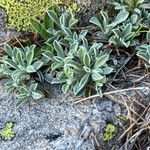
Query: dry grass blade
[109, 93]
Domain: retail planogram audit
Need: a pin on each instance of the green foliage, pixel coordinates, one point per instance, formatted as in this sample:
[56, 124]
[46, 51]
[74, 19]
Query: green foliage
[8, 133]
[122, 36]
[105, 25]
[19, 12]
[130, 5]
[80, 68]
[144, 53]
[19, 65]
[110, 130]
[57, 25]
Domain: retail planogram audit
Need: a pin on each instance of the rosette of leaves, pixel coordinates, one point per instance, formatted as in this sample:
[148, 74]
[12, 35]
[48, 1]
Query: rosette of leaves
[134, 6]
[144, 53]
[82, 69]
[105, 25]
[19, 65]
[122, 36]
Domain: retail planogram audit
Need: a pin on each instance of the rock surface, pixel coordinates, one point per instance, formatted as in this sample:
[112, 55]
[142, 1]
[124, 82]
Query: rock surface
[55, 124]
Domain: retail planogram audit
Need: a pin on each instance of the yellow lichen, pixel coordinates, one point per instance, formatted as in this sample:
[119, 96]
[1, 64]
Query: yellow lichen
[7, 134]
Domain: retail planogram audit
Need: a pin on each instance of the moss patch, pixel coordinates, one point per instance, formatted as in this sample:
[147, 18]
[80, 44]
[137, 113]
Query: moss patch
[110, 130]
[7, 133]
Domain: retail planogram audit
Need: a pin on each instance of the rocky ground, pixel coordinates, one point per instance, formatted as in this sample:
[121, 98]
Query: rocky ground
[60, 124]
[54, 124]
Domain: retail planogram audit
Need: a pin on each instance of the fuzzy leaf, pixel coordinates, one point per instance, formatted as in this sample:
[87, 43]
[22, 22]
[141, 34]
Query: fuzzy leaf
[30, 56]
[30, 69]
[72, 22]
[11, 63]
[59, 49]
[54, 17]
[65, 88]
[79, 86]
[36, 95]
[8, 50]
[107, 70]
[122, 16]
[101, 61]
[96, 21]
[87, 60]
[38, 64]
[39, 28]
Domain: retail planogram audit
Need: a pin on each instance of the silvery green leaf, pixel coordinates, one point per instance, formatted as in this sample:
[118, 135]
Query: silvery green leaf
[87, 70]
[58, 81]
[75, 36]
[23, 89]
[39, 28]
[65, 88]
[20, 58]
[122, 16]
[62, 20]
[72, 64]
[81, 52]
[56, 65]
[30, 69]
[117, 32]
[99, 91]
[134, 18]
[84, 80]
[148, 36]
[29, 57]
[96, 21]
[97, 76]
[98, 70]
[128, 36]
[107, 70]
[11, 63]
[58, 59]
[101, 61]
[54, 17]
[87, 60]
[49, 47]
[48, 55]
[38, 64]
[14, 53]
[105, 20]
[72, 22]
[33, 86]
[68, 32]
[80, 85]
[59, 49]
[85, 43]
[36, 95]
[8, 50]
[68, 72]
[127, 30]
[74, 47]
[83, 33]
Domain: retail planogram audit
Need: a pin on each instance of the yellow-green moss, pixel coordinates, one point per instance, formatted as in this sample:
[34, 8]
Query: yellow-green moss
[8, 133]
[19, 11]
[110, 130]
